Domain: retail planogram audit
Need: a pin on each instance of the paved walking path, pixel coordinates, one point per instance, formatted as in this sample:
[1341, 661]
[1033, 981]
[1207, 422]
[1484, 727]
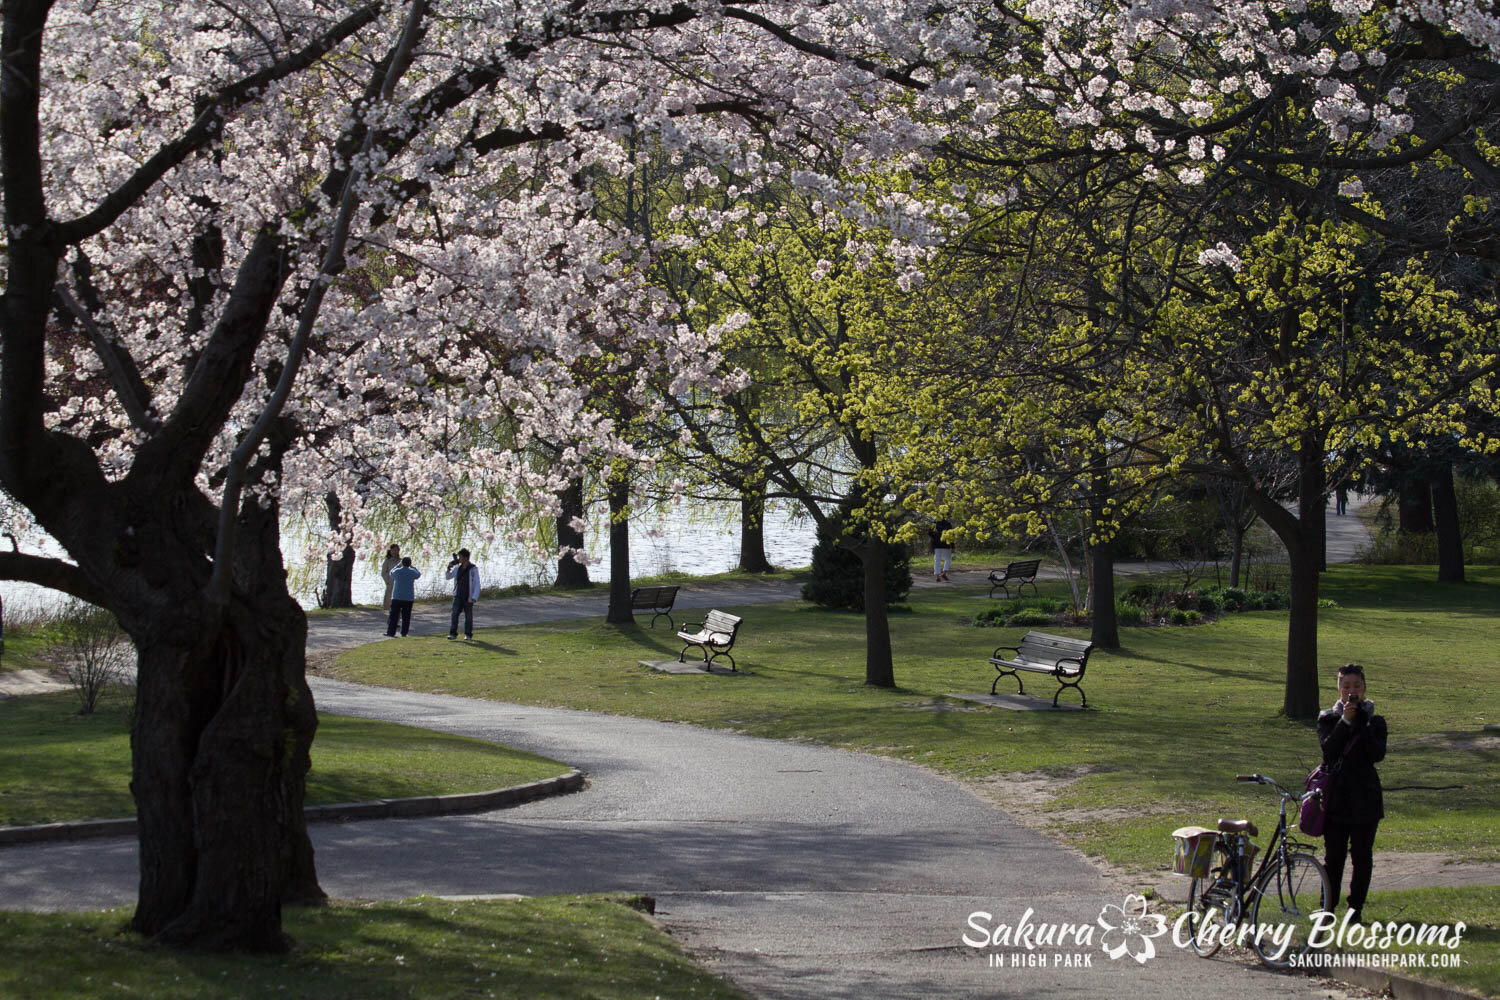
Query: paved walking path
[798, 871]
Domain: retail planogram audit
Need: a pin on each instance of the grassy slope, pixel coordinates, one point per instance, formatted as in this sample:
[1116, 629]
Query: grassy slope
[56, 765]
[572, 946]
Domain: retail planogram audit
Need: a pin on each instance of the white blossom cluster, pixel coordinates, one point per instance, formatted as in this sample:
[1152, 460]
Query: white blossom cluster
[488, 305]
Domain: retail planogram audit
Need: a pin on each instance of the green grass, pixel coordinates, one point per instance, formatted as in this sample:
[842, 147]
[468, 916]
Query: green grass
[567, 946]
[1179, 711]
[23, 651]
[1478, 907]
[57, 766]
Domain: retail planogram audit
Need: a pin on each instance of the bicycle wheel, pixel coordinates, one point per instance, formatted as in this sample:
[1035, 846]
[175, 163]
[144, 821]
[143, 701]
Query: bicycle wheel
[1210, 901]
[1288, 895]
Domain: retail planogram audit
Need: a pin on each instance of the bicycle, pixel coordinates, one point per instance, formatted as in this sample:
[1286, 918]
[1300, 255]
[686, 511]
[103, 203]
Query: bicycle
[1290, 887]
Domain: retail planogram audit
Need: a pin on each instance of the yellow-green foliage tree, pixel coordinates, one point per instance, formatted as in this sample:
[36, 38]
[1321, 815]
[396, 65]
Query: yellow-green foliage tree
[1269, 277]
[811, 292]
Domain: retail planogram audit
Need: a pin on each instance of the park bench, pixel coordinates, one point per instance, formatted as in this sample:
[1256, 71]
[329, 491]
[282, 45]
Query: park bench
[1022, 574]
[716, 633]
[1039, 653]
[657, 600]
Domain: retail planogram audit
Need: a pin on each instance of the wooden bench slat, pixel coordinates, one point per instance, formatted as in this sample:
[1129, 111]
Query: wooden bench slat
[716, 632]
[1059, 656]
[1022, 573]
[658, 600]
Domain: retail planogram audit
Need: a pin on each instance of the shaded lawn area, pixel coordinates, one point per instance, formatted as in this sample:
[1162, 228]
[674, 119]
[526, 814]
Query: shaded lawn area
[57, 766]
[1178, 711]
[573, 946]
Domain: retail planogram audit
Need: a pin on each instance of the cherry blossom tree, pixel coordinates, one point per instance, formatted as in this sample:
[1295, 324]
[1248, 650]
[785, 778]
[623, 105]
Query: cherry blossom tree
[251, 254]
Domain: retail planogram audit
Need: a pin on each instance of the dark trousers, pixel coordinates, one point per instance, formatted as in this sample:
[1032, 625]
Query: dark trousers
[467, 608]
[1355, 841]
[400, 611]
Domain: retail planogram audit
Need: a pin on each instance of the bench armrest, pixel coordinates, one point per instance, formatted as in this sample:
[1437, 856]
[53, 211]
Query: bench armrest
[689, 626]
[1013, 649]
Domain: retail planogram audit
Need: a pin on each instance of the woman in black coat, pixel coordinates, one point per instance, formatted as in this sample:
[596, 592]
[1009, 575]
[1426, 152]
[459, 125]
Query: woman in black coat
[1353, 740]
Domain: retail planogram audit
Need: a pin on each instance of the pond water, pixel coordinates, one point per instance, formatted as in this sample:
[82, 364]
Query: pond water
[695, 537]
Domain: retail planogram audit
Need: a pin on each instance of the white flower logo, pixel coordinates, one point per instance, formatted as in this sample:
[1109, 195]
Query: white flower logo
[1128, 928]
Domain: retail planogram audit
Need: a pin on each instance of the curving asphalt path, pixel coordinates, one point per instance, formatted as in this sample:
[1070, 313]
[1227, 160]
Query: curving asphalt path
[797, 871]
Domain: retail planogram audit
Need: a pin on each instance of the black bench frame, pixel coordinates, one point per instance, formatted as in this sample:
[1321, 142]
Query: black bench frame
[1039, 653]
[658, 600]
[1022, 574]
[717, 631]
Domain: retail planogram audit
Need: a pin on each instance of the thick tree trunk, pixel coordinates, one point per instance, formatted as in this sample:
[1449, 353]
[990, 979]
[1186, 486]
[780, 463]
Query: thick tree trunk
[880, 669]
[753, 529]
[619, 551]
[338, 577]
[1301, 533]
[1415, 509]
[1304, 546]
[1450, 541]
[1106, 628]
[223, 724]
[571, 574]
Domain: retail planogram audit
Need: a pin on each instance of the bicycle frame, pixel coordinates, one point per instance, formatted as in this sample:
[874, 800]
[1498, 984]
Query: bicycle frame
[1235, 893]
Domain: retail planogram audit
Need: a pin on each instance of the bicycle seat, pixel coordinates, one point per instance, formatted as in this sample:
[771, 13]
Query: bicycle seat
[1238, 826]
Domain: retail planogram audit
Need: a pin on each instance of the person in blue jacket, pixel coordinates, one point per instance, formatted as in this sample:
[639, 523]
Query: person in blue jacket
[403, 593]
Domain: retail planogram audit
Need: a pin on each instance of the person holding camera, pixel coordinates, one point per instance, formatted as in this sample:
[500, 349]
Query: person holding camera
[403, 595]
[1353, 739]
[465, 577]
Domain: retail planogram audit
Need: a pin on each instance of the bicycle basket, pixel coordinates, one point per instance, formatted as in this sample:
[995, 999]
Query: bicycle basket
[1195, 851]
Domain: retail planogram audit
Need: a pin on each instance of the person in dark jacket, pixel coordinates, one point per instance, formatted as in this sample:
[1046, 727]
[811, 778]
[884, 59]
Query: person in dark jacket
[1353, 741]
[942, 551]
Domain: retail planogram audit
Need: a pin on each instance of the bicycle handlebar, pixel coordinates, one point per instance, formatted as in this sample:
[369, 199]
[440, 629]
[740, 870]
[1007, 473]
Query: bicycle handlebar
[1250, 777]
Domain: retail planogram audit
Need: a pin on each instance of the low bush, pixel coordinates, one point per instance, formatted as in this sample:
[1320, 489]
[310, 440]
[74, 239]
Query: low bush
[1185, 617]
[1028, 617]
[1002, 615]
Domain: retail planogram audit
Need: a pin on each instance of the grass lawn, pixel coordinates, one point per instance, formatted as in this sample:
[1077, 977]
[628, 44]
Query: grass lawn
[56, 765]
[23, 651]
[1479, 950]
[565, 946]
[1178, 711]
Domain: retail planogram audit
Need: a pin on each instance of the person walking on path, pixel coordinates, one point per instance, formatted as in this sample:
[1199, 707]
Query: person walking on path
[1340, 501]
[1353, 739]
[403, 590]
[942, 551]
[465, 577]
[387, 566]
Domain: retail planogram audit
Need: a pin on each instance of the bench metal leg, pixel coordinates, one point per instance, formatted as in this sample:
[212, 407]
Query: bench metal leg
[663, 614]
[1064, 684]
[1020, 688]
[725, 653]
